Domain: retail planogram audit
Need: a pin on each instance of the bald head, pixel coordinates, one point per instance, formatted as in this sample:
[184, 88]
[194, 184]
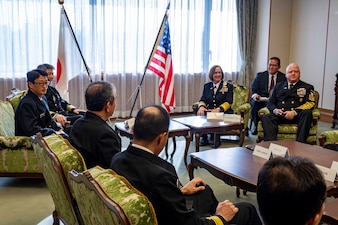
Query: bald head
[151, 121]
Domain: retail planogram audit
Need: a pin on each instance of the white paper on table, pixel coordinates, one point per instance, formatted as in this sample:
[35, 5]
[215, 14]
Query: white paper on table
[334, 166]
[262, 152]
[233, 118]
[279, 150]
[329, 174]
[215, 116]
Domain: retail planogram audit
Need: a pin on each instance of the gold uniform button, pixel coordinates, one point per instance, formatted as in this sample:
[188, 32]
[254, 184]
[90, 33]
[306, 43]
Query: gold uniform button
[283, 102]
[292, 102]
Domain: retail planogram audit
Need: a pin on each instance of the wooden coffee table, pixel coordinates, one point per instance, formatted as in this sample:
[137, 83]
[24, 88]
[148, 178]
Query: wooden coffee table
[175, 130]
[239, 167]
[200, 125]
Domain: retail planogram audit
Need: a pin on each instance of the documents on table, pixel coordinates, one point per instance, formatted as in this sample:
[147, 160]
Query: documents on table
[215, 116]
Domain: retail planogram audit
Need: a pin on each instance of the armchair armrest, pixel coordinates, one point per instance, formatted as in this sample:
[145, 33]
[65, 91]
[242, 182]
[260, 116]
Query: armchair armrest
[195, 107]
[15, 142]
[245, 108]
[328, 137]
[263, 111]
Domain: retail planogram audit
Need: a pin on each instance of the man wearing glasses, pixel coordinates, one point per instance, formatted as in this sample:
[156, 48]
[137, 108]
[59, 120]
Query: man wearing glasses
[32, 114]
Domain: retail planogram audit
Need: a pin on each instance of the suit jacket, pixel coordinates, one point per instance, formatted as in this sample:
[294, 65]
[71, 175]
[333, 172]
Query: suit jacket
[223, 97]
[32, 116]
[300, 97]
[95, 140]
[260, 83]
[158, 180]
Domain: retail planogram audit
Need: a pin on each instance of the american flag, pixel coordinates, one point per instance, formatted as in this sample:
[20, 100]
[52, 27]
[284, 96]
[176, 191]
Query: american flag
[161, 64]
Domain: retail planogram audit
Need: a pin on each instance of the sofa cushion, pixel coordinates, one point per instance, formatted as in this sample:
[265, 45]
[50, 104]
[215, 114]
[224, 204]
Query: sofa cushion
[7, 126]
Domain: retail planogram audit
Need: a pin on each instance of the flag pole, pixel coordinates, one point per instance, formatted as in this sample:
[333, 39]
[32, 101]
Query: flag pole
[165, 17]
[74, 37]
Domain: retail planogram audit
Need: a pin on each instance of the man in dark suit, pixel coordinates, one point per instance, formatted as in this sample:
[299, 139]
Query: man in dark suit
[158, 180]
[92, 135]
[291, 101]
[32, 114]
[262, 87]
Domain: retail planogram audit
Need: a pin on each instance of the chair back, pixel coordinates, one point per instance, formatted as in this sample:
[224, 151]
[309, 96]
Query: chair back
[110, 199]
[56, 157]
[241, 96]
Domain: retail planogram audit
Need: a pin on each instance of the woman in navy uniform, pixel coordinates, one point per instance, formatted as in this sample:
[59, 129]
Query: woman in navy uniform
[217, 96]
[292, 101]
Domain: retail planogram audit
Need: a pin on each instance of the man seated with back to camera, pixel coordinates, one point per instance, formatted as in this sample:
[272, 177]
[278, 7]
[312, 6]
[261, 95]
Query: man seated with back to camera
[291, 191]
[32, 114]
[158, 180]
[291, 101]
[61, 110]
[91, 135]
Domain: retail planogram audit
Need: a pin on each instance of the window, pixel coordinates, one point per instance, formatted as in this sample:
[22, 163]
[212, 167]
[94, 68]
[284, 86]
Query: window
[117, 36]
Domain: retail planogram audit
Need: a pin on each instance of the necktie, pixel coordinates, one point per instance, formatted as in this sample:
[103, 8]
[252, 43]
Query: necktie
[291, 86]
[272, 82]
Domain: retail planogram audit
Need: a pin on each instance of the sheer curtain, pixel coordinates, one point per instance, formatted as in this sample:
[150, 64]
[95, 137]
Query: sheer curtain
[116, 39]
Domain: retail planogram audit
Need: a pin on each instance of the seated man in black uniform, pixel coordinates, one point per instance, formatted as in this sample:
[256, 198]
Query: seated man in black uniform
[61, 110]
[158, 180]
[291, 101]
[32, 114]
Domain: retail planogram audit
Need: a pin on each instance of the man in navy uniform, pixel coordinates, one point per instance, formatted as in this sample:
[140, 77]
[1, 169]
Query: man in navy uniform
[262, 87]
[291, 101]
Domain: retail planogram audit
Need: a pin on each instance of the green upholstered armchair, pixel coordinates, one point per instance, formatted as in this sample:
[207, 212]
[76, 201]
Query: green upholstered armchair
[110, 199]
[17, 158]
[240, 106]
[56, 157]
[289, 131]
[328, 137]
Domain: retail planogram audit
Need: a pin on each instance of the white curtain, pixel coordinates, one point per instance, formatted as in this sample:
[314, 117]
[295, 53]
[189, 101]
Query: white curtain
[116, 39]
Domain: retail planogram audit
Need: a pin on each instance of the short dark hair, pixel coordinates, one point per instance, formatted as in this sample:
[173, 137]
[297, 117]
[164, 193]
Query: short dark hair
[275, 58]
[150, 123]
[45, 66]
[290, 191]
[34, 74]
[98, 94]
[212, 71]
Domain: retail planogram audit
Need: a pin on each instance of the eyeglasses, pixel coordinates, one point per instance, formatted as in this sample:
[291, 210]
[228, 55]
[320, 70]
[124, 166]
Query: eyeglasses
[41, 84]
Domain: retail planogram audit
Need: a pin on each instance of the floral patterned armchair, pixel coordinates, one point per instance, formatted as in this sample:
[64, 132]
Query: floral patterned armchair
[56, 157]
[289, 131]
[328, 137]
[110, 199]
[17, 158]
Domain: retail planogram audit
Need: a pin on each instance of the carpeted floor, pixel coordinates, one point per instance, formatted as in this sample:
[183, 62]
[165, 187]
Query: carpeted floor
[28, 202]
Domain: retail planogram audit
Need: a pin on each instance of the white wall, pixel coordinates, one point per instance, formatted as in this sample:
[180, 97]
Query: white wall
[308, 40]
[331, 65]
[262, 40]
